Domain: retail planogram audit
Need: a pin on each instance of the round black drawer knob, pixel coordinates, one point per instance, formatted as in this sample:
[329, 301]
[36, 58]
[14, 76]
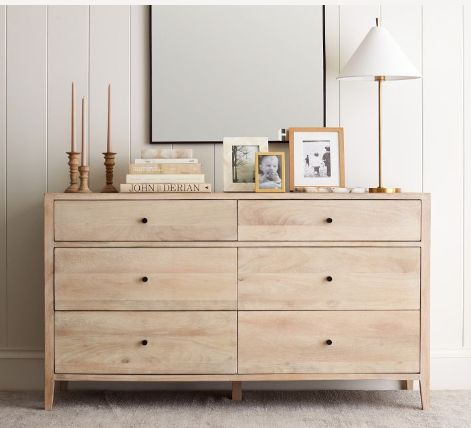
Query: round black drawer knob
[328, 342]
[144, 342]
[144, 220]
[145, 279]
[329, 279]
[329, 220]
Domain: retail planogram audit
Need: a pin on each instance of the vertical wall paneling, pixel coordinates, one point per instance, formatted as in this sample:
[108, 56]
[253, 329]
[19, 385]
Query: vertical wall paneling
[402, 103]
[332, 33]
[140, 78]
[467, 175]
[109, 63]
[358, 101]
[26, 172]
[443, 166]
[67, 63]
[3, 146]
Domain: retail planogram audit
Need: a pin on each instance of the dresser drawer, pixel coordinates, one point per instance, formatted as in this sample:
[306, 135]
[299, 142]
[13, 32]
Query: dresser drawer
[342, 278]
[332, 220]
[146, 342]
[196, 220]
[296, 342]
[145, 278]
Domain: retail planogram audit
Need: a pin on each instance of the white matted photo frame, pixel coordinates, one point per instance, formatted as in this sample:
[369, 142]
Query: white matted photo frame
[239, 162]
[270, 172]
[316, 157]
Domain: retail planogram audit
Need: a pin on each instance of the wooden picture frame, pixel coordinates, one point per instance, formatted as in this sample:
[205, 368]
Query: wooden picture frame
[316, 169]
[240, 160]
[273, 180]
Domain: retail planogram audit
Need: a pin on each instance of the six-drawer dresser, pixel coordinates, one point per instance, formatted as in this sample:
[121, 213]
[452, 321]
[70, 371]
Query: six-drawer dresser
[236, 287]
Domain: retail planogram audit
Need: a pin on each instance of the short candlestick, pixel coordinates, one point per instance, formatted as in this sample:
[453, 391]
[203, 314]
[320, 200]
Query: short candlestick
[83, 170]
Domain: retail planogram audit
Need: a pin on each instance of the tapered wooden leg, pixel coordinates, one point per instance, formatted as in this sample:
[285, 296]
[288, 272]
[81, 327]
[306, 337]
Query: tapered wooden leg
[425, 393]
[49, 385]
[63, 386]
[407, 385]
[236, 391]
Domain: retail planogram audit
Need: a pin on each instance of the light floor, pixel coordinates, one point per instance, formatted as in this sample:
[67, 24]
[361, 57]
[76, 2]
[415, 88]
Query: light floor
[356, 409]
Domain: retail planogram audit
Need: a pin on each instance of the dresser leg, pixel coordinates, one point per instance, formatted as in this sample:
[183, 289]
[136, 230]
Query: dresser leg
[49, 385]
[407, 385]
[425, 393]
[236, 391]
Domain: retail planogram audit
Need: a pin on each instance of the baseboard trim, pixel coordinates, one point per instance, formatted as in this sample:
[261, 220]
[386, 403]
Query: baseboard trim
[22, 354]
[450, 368]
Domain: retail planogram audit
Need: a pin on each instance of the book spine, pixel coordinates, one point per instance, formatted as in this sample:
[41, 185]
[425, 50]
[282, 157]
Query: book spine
[166, 153]
[166, 188]
[144, 161]
[165, 168]
[164, 178]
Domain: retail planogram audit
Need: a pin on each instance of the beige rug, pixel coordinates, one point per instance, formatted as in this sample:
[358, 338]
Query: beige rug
[357, 409]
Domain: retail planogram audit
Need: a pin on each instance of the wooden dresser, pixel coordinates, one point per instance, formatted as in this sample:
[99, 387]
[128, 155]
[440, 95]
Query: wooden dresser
[236, 287]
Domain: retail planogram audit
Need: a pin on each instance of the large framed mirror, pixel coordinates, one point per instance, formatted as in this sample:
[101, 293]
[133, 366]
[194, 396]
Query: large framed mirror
[231, 71]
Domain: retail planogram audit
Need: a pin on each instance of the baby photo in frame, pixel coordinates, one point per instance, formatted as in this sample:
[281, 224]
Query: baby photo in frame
[270, 172]
[316, 157]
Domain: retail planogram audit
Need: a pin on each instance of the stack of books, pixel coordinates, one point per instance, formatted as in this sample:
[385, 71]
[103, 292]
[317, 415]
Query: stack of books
[166, 171]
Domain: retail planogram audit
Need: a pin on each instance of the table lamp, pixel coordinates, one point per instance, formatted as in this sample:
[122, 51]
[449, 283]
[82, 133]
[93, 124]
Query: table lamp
[379, 58]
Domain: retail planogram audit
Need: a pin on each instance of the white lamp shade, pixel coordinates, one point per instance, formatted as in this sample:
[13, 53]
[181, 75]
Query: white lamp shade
[379, 55]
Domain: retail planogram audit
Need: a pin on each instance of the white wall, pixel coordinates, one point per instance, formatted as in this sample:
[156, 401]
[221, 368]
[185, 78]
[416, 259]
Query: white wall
[426, 131]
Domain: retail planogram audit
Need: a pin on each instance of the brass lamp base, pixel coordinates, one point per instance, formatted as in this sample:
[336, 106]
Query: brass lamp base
[384, 190]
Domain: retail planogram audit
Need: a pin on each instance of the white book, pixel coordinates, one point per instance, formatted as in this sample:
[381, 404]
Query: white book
[166, 188]
[164, 178]
[161, 160]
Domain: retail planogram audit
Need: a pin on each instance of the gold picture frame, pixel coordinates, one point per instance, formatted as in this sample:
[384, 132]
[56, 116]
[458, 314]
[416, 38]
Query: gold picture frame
[316, 169]
[270, 185]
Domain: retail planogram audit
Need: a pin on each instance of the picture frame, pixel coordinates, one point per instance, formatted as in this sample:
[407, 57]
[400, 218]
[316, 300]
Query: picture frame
[316, 157]
[239, 162]
[269, 176]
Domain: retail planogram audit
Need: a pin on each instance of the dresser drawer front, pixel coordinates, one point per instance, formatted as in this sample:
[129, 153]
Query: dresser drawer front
[177, 342]
[332, 220]
[205, 220]
[325, 278]
[145, 278]
[296, 342]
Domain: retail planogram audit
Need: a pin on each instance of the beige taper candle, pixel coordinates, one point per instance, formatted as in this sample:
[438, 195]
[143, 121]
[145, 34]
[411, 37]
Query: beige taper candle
[84, 132]
[108, 139]
[73, 130]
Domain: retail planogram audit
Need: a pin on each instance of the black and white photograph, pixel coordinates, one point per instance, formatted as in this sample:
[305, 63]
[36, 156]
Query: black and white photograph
[270, 172]
[240, 162]
[243, 164]
[316, 157]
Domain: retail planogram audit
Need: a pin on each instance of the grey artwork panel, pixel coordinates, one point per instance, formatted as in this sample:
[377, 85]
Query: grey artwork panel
[228, 71]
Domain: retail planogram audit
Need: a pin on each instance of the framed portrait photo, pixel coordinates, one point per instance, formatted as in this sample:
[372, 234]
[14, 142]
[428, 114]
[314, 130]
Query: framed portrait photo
[239, 162]
[270, 172]
[316, 157]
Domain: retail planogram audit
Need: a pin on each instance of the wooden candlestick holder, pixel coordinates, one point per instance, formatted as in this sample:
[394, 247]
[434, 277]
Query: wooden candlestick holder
[83, 170]
[74, 161]
[109, 165]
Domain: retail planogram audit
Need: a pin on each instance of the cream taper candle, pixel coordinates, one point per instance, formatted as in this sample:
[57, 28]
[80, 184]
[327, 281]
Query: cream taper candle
[108, 139]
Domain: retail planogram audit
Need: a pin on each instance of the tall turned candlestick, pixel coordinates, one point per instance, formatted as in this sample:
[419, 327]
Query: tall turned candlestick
[109, 165]
[83, 170]
[73, 172]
